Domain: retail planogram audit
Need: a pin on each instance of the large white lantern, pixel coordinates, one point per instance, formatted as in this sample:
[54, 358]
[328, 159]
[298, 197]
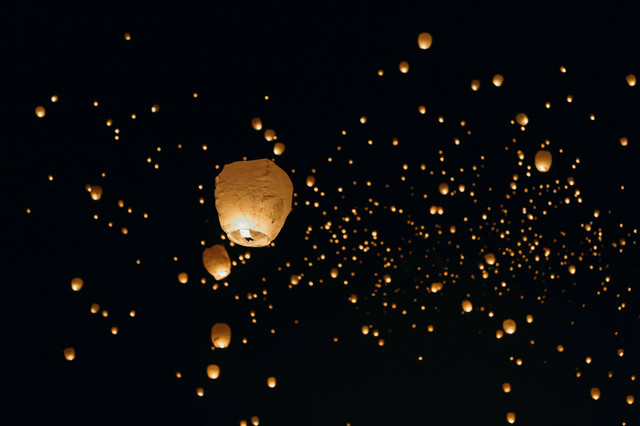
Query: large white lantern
[217, 262]
[253, 199]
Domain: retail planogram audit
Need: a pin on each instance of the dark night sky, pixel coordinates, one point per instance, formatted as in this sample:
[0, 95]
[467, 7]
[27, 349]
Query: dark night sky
[318, 64]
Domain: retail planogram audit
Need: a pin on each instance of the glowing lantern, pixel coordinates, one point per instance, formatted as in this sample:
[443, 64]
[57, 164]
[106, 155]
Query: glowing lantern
[311, 180]
[96, 192]
[294, 279]
[95, 308]
[278, 148]
[506, 387]
[200, 391]
[467, 306]
[529, 319]
[256, 123]
[365, 329]
[631, 80]
[436, 287]
[269, 135]
[475, 85]
[255, 421]
[444, 188]
[221, 335]
[572, 269]
[509, 326]
[253, 199]
[424, 40]
[498, 80]
[353, 298]
[630, 399]
[76, 284]
[499, 334]
[511, 417]
[624, 141]
[216, 261]
[271, 382]
[595, 394]
[543, 160]
[40, 111]
[490, 258]
[213, 371]
[183, 277]
[69, 354]
[404, 67]
[522, 119]
[334, 272]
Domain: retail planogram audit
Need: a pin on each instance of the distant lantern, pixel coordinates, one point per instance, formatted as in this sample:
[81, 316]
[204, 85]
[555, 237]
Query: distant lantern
[183, 277]
[572, 269]
[543, 160]
[365, 329]
[506, 387]
[630, 399]
[40, 111]
[334, 272]
[624, 141]
[529, 319]
[69, 354]
[269, 134]
[444, 188]
[256, 123]
[498, 79]
[255, 421]
[631, 80]
[475, 85]
[96, 192]
[509, 326]
[216, 261]
[404, 67]
[221, 335]
[490, 258]
[200, 391]
[511, 417]
[424, 40]
[76, 284]
[271, 382]
[253, 199]
[295, 279]
[353, 298]
[213, 371]
[467, 306]
[436, 287]
[595, 393]
[522, 119]
[311, 180]
[278, 148]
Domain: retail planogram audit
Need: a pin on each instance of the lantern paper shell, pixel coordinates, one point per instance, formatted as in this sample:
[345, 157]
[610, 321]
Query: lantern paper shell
[216, 261]
[220, 335]
[253, 199]
[543, 160]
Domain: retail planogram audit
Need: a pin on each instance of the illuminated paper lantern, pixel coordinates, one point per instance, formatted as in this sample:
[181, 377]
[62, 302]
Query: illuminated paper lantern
[269, 135]
[498, 80]
[69, 354]
[506, 387]
[467, 306]
[444, 188]
[278, 148]
[40, 111]
[631, 80]
[256, 123]
[404, 67]
[253, 199]
[216, 261]
[271, 382]
[221, 335]
[213, 371]
[595, 394]
[509, 326]
[511, 417]
[96, 192]
[255, 421]
[522, 119]
[490, 258]
[76, 284]
[424, 40]
[543, 160]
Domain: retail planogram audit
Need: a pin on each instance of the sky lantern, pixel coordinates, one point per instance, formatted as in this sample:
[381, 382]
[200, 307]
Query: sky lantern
[295, 279]
[424, 40]
[509, 326]
[522, 119]
[624, 141]
[404, 67]
[253, 199]
[271, 382]
[630, 399]
[256, 123]
[572, 269]
[543, 160]
[40, 111]
[490, 258]
[595, 393]
[334, 272]
[436, 287]
[365, 329]
[213, 371]
[183, 277]
[311, 180]
[444, 188]
[529, 318]
[475, 85]
[498, 79]
[506, 387]
[278, 148]
[95, 191]
[511, 417]
[467, 306]
[221, 335]
[255, 421]
[631, 80]
[216, 261]
[269, 135]
[76, 284]
[69, 354]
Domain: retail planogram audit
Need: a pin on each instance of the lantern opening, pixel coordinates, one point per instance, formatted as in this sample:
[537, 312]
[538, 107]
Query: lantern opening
[246, 234]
